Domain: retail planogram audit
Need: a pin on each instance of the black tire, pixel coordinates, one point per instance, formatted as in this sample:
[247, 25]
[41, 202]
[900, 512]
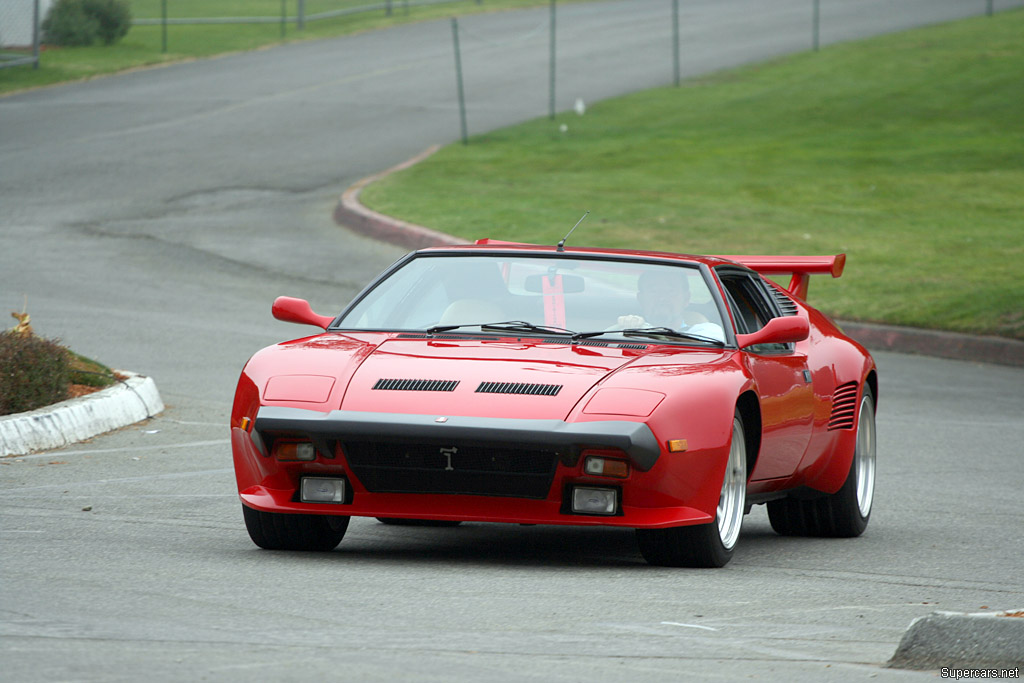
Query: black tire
[396, 521]
[845, 513]
[277, 531]
[705, 545]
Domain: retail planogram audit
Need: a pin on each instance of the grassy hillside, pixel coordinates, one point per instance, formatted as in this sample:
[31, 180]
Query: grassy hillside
[905, 151]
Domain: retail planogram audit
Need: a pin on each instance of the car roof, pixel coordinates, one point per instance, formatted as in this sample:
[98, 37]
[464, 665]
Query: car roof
[485, 246]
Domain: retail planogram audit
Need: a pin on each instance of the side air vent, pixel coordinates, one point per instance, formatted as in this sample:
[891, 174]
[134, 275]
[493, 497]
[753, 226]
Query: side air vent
[786, 305]
[416, 384]
[844, 407]
[518, 388]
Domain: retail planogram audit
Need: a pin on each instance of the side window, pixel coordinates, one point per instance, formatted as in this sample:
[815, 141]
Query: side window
[747, 302]
[751, 308]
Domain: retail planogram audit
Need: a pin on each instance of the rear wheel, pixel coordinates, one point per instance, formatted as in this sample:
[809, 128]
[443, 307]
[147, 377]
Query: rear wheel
[706, 545]
[277, 531]
[845, 513]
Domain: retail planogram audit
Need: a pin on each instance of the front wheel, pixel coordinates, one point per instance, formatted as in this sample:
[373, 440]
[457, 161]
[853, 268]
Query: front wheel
[706, 545]
[277, 531]
[845, 513]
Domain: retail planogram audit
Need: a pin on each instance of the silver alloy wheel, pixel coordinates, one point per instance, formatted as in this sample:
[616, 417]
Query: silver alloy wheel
[731, 504]
[864, 456]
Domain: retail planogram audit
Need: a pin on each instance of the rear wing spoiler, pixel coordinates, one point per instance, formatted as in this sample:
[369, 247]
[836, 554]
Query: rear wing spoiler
[801, 268]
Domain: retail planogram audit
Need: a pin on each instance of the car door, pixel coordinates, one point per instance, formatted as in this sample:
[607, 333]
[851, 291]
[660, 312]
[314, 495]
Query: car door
[781, 376]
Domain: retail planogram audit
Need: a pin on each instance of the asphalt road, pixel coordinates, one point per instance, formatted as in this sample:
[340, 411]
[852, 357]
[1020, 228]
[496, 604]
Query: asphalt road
[152, 217]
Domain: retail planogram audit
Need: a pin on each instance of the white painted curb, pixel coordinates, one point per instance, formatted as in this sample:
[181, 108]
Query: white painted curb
[77, 419]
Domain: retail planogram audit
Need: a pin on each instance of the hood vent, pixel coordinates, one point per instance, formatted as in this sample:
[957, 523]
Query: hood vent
[432, 337]
[416, 384]
[518, 388]
[613, 345]
[844, 407]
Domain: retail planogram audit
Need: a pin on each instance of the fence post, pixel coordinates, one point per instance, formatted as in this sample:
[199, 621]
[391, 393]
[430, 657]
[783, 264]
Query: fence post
[458, 80]
[817, 23]
[675, 41]
[551, 78]
[35, 35]
[284, 16]
[387, 8]
[163, 25]
[989, 9]
[300, 20]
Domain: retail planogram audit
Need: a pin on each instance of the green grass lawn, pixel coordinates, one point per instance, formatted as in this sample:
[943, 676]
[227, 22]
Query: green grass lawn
[143, 44]
[905, 151]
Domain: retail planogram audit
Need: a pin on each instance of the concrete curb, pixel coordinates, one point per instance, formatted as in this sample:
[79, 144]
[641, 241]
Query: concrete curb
[77, 419]
[957, 640]
[351, 214]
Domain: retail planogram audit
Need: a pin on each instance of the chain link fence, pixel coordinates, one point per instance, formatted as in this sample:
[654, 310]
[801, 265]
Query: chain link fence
[165, 13]
[19, 31]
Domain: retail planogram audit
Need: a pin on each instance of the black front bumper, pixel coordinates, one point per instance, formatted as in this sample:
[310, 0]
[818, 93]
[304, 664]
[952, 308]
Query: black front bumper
[633, 438]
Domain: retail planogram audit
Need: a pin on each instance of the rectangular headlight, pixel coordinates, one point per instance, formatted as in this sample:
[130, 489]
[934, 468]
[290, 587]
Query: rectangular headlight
[322, 490]
[594, 501]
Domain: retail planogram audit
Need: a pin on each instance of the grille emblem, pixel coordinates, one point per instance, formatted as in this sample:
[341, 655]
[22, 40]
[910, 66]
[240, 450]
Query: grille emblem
[448, 453]
[441, 419]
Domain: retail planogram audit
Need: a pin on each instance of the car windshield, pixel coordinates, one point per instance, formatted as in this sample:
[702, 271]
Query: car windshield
[549, 296]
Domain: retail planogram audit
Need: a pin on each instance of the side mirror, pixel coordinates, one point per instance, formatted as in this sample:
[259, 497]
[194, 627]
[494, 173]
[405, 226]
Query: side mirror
[291, 310]
[784, 330]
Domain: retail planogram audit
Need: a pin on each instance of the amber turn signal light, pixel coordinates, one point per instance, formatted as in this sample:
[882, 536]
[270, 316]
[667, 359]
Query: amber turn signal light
[606, 467]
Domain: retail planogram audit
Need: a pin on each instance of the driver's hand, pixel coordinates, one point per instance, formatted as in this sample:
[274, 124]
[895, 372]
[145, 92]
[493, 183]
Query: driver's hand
[626, 322]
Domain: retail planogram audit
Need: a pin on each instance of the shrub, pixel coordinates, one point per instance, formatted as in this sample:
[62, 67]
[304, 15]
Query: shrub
[76, 23]
[69, 25]
[34, 372]
[114, 17]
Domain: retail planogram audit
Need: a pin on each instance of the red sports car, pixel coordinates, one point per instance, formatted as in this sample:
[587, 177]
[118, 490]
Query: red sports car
[504, 382]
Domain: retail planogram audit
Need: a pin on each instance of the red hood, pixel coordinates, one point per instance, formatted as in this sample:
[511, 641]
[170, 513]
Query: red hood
[508, 365]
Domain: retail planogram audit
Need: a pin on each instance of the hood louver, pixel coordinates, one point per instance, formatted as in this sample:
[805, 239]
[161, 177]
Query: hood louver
[844, 407]
[518, 388]
[416, 384]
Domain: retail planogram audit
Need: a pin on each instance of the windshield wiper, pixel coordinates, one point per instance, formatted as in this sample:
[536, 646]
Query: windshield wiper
[505, 326]
[523, 326]
[652, 332]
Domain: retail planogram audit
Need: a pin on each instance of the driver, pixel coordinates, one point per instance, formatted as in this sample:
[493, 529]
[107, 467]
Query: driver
[663, 296]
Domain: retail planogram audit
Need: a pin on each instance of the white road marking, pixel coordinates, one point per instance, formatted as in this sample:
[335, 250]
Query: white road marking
[675, 623]
[126, 449]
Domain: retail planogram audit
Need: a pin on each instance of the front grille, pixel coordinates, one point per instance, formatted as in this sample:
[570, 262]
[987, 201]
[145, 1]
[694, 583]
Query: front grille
[844, 407]
[518, 388]
[416, 384]
[456, 469]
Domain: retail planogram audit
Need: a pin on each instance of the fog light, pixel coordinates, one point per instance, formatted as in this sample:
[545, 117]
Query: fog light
[322, 490]
[605, 467]
[295, 451]
[591, 501]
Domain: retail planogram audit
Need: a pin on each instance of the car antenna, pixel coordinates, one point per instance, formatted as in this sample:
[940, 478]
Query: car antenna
[561, 245]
